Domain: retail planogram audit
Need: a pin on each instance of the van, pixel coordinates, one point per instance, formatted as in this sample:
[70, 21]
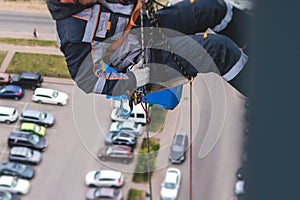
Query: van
[137, 114]
[8, 114]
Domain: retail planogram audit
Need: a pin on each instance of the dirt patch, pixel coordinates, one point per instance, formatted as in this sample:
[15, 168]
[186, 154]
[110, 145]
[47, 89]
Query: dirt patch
[24, 6]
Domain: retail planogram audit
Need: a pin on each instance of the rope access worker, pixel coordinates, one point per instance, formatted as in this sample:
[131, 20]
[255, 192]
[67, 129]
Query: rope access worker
[90, 31]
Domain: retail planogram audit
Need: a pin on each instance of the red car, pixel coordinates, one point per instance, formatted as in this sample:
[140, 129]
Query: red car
[116, 153]
[5, 78]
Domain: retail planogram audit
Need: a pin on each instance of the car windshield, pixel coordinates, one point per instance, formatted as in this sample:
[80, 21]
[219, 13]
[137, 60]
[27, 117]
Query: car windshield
[55, 93]
[7, 196]
[29, 154]
[34, 139]
[36, 128]
[169, 185]
[43, 115]
[15, 182]
[109, 150]
[177, 148]
[97, 175]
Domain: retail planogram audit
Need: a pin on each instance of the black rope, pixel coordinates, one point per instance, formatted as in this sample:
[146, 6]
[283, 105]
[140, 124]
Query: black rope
[154, 22]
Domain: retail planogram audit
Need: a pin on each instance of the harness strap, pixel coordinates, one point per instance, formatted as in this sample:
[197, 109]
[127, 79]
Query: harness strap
[131, 23]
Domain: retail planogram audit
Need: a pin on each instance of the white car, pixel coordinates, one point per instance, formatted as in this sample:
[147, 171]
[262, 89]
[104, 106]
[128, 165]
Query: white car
[14, 184]
[8, 114]
[50, 96]
[125, 126]
[239, 188]
[137, 114]
[101, 178]
[170, 185]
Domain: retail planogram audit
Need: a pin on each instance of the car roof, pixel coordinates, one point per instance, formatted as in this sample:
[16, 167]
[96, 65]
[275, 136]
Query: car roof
[7, 180]
[14, 88]
[171, 177]
[34, 113]
[106, 191]
[6, 110]
[110, 174]
[30, 75]
[127, 123]
[3, 74]
[120, 148]
[19, 150]
[19, 135]
[28, 125]
[44, 91]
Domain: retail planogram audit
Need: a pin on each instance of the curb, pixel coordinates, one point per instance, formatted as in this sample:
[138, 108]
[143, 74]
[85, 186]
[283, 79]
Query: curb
[64, 81]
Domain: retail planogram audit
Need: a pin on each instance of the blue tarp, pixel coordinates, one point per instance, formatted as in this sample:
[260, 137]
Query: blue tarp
[168, 99]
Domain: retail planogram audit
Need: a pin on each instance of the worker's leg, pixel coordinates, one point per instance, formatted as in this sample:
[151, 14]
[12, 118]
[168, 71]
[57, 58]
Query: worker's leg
[190, 18]
[201, 53]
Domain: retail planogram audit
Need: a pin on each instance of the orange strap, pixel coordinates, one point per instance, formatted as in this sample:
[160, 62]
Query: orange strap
[131, 23]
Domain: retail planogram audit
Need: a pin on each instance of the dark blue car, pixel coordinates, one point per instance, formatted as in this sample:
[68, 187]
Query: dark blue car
[12, 92]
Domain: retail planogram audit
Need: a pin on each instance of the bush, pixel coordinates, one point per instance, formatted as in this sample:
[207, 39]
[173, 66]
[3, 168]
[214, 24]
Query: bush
[141, 169]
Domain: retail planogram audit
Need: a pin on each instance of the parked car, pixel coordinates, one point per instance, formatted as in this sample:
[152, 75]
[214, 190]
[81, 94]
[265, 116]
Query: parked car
[38, 117]
[29, 80]
[5, 78]
[100, 178]
[8, 114]
[25, 155]
[240, 172]
[33, 128]
[239, 188]
[14, 184]
[17, 169]
[171, 184]
[116, 153]
[128, 126]
[121, 138]
[103, 193]
[137, 114]
[178, 148]
[25, 139]
[8, 196]
[50, 96]
[11, 92]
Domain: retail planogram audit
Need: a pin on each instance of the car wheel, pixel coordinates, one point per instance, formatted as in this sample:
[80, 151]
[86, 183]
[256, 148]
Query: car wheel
[59, 104]
[39, 101]
[7, 121]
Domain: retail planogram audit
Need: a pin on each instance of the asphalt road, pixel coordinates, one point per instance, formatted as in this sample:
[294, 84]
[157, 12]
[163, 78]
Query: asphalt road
[21, 25]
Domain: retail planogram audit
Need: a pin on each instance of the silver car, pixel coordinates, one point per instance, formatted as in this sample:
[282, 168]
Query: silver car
[38, 117]
[25, 155]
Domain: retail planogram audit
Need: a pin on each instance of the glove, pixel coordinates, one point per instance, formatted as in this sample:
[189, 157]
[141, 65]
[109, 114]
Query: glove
[142, 75]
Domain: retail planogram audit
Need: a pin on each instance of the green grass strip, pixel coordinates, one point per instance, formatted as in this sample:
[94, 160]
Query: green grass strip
[158, 116]
[28, 42]
[134, 194]
[46, 65]
[2, 56]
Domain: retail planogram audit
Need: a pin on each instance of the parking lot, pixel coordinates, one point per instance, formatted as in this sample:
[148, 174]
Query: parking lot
[73, 143]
